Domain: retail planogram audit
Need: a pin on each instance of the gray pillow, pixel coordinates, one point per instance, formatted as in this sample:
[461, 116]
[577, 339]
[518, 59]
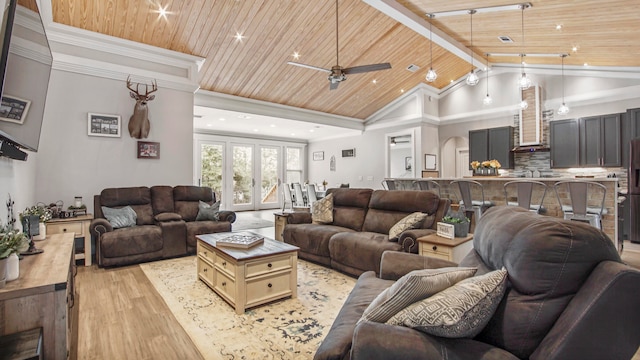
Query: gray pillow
[461, 311]
[120, 218]
[208, 212]
[412, 287]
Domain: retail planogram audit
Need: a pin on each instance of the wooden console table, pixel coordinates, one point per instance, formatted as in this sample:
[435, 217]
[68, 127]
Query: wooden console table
[43, 297]
[80, 226]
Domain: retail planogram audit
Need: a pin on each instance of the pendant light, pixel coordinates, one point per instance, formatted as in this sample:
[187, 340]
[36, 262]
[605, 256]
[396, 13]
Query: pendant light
[487, 99]
[525, 82]
[563, 109]
[431, 74]
[472, 78]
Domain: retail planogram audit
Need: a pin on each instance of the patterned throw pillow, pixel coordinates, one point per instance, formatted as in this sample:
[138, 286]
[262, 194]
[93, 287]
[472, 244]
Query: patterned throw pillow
[461, 311]
[208, 212]
[322, 210]
[120, 218]
[410, 221]
[413, 287]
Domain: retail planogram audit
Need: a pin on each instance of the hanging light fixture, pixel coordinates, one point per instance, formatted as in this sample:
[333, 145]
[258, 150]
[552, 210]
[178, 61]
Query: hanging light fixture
[525, 82]
[431, 74]
[487, 99]
[563, 109]
[472, 78]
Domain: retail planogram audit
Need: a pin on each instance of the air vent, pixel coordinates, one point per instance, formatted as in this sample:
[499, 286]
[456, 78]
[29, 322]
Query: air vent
[413, 68]
[196, 116]
[505, 39]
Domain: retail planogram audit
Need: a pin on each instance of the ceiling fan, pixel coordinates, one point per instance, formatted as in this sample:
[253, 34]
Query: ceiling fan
[337, 73]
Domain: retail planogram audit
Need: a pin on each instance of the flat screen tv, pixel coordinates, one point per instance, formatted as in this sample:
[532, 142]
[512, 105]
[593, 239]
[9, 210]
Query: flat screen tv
[25, 68]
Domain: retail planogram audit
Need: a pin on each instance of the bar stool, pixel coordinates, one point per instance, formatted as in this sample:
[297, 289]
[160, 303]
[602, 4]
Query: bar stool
[466, 188]
[578, 195]
[424, 184]
[299, 199]
[311, 194]
[288, 197]
[524, 191]
[388, 184]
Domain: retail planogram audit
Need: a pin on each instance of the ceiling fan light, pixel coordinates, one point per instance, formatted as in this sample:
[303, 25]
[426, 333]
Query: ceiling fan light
[487, 100]
[525, 82]
[431, 75]
[524, 104]
[472, 79]
[563, 109]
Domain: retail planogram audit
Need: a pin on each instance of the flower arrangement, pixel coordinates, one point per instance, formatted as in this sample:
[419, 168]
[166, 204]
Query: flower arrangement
[494, 164]
[43, 213]
[458, 220]
[12, 241]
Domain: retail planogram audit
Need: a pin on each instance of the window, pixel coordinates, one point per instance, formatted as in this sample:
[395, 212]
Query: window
[293, 172]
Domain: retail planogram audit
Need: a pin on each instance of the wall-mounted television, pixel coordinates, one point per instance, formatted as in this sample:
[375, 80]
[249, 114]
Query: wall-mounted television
[25, 68]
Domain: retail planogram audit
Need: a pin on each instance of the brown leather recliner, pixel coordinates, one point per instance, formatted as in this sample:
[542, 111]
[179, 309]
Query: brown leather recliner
[569, 296]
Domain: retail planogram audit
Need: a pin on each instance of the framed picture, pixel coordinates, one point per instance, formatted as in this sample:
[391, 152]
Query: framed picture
[429, 162]
[318, 155]
[148, 150]
[349, 153]
[407, 163]
[103, 125]
[14, 109]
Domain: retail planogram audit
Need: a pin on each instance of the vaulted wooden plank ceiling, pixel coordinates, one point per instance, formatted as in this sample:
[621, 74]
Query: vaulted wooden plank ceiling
[605, 33]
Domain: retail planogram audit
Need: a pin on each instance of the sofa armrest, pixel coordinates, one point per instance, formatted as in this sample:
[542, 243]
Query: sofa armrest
[167, 217]
[395, 264]
[409, 239]
[100, 226]
[602, 321]
[372, 341]
[226, 215]
[299, 217]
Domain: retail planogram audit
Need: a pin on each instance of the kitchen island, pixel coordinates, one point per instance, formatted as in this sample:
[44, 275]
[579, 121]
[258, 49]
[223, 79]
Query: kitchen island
[494, 192]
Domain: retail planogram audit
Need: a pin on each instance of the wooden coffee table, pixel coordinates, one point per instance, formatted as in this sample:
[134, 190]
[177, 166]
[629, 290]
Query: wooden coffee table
[248, 277]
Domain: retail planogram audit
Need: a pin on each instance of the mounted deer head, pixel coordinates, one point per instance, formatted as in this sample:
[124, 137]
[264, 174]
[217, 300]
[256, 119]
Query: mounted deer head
[139, 124]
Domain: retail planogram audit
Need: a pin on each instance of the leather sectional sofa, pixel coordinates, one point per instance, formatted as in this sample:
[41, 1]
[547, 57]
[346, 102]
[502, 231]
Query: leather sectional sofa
[354, 242]
[568, 296]
[165, 227]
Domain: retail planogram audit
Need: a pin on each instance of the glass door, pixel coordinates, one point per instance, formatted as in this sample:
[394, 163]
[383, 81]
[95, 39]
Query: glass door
[269, 169]
[210, 167]
[243, 180]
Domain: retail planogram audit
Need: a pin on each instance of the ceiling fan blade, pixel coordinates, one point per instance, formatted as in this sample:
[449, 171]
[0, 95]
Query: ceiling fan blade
[309, 66]
[366, 68]
[333, 85]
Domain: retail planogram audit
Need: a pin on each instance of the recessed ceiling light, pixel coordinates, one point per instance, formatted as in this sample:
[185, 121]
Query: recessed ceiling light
[222, 119]
[375, 81]
[239, 36]
[272, 125]
[311, 130]
[559, 27]
[451, 81]
[162, 11]
[585, 64]
[243, 116]
[574, 49]
[209, 124]
[255, 130]
[296, 55]
[293, 134]
[402, 90]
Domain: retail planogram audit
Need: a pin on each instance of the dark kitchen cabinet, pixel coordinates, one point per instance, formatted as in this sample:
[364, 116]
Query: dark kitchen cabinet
[600, 143]
[630, 130]
[564, 143]
[489, 144]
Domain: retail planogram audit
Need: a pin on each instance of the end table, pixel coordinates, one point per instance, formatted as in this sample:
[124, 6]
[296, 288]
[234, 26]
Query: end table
[78, 225]
[448, 249]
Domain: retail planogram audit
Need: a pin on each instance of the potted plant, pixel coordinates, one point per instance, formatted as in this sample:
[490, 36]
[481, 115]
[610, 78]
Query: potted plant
[12, 242]
[43, 214]
[459, 221]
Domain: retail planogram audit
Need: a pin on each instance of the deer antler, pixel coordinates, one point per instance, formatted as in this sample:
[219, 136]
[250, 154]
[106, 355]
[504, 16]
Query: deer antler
[129, 84]
[154, 87]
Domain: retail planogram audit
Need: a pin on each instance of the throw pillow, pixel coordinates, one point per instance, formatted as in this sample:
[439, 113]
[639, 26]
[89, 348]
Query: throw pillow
[322, 210]
[461, 311]
[410, 221]
[121, 217]
[208, 212]
[412, 287]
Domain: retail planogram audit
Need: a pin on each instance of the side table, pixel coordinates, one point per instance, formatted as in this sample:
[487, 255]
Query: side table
[280, 221]
[448, 249]
[80, 226]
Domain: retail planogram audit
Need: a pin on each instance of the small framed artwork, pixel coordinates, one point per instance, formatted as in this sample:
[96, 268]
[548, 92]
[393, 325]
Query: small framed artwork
[407, 163]
[103, 125]
[349, 153]
[14, 109]
[148, 150]
[318, 155]
[429, 162]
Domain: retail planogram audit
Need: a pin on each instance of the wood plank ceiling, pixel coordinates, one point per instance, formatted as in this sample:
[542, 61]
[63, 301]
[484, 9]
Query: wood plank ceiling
[605, 32]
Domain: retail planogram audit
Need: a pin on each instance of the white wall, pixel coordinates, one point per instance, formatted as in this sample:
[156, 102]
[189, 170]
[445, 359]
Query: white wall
[17, 179]
[71, 163]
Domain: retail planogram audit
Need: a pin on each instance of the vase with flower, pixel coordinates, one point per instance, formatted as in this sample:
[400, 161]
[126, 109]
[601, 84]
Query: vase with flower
[12, 242]
[485, 168]
[42, 213]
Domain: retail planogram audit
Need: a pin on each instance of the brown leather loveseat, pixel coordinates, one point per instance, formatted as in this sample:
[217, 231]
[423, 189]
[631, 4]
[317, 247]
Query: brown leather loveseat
[354, 242]
[568, 296]
[165, 226]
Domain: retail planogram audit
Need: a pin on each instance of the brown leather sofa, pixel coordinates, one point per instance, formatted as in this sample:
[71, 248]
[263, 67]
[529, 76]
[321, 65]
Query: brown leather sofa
[568, 296]
[354, 242]
[165, 224]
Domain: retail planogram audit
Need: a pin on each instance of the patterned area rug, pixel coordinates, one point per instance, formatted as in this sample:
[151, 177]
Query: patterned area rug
[286, 329]
[244, 224]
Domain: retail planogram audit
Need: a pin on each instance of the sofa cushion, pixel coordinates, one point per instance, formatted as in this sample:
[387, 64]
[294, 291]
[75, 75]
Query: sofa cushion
[357, 252]
[204, 227]
[139, 198]
[386, 208]
[120, 217]
[412, 287]
[350, 207]
[131, 241]
[187, 198]
[164, 217]
[322, 210]
[410, 221]
[162, 199]
[461, 310]
[312, 238]
[208, 212]
[548, 260]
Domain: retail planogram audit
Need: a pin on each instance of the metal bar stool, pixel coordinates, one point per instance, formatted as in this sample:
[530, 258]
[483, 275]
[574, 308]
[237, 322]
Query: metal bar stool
[466, 188]
[579, 192]
[388, 184]
[424, 184]
[288, 197]
[525, 191]
[299, 199]
[311, 194]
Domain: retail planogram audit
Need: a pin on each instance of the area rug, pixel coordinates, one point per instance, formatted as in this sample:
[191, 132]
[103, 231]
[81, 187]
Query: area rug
[285, 329]
[255, 223]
